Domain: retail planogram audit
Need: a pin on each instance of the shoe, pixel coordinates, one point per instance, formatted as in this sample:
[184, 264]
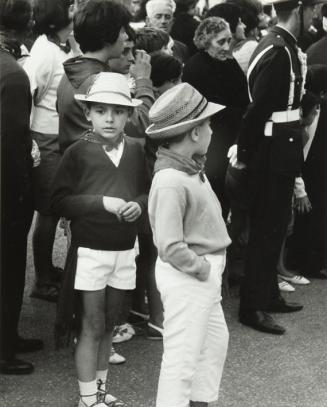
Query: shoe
[261, 321]
[108, 399]
[115, 358]
[282, 306]
[284, 286]
[16, 367]
[24, 345]
[123, 333]
[154, 332]
[96, 404]
[297, 279]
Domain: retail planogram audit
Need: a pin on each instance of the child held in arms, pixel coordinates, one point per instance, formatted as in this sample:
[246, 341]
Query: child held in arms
[100, 186]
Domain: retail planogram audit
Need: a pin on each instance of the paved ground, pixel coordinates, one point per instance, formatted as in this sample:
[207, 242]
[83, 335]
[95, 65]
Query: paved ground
[261, 370]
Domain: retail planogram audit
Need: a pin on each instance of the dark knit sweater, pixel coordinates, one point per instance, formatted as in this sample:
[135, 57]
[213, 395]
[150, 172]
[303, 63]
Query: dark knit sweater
[85, 175]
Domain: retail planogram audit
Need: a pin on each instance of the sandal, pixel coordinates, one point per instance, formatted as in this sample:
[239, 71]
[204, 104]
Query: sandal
[46, 291]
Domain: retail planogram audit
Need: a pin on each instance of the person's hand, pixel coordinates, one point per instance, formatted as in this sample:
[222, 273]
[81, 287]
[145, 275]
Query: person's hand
[232, 155]
[130, 211]
[203, 274]
[142, 66]
[113, 205]
[303, 205]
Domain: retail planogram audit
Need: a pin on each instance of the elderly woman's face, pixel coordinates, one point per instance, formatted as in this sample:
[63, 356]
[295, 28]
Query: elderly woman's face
[220, 45]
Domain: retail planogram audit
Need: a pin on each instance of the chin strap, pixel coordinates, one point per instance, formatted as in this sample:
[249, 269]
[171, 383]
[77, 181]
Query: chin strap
[300, 3]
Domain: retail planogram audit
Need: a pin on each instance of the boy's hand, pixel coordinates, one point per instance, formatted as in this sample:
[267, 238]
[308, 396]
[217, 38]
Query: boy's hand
[130, 211]
[142, 65]
[204, 273]
[113, 205]
[303, 205]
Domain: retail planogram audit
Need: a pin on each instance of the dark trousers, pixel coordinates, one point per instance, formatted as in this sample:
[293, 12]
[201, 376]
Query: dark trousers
[270, 205]
[14, 231]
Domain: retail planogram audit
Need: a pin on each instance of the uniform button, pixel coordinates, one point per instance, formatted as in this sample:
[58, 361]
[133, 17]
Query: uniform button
[291, 139]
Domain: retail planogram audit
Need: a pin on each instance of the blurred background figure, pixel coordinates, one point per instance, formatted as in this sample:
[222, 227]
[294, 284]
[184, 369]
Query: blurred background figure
[44, 67]
[218, 76]
[16, 184]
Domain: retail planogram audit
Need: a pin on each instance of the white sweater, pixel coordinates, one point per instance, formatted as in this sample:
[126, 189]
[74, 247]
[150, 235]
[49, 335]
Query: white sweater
[44, 68]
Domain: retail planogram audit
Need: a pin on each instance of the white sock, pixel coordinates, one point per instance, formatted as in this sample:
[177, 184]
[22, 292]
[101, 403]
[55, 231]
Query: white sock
[101, 379]
[88, 392]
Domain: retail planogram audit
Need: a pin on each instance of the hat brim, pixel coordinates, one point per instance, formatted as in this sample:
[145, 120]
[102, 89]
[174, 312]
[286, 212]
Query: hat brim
[179, 128]
[110, 100]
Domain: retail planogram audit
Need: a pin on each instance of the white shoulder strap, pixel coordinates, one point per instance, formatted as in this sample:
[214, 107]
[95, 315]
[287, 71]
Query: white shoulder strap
[253, 64]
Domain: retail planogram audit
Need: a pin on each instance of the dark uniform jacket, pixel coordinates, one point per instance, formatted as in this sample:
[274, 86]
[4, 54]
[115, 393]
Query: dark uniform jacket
[269, 82]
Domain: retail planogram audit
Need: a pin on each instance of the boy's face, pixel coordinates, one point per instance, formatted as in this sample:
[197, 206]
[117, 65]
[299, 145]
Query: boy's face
[108, 120]
[204, 137]
[122, 64]
[117, 48]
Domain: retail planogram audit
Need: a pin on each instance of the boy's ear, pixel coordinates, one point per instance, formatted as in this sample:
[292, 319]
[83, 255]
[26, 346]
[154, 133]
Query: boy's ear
[194, 134]
[87, 112]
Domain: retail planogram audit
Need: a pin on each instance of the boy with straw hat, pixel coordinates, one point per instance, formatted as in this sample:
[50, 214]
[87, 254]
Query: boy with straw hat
[100, 187]
[191, 238]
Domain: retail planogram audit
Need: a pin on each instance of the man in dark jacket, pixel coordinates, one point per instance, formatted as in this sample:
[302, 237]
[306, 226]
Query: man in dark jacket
[16, 196]
[270, 145]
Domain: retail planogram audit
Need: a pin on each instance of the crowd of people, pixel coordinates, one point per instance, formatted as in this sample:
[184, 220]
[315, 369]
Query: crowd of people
[181, 147]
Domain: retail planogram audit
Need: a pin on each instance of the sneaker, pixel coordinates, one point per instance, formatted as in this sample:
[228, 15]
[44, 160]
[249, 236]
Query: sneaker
[154, 332]
[123, 333]
[286, 287]
[297, 279]
[115, 358]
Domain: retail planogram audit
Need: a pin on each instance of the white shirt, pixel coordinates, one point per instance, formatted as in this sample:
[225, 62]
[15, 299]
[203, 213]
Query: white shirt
[44, 68]
[116, 153]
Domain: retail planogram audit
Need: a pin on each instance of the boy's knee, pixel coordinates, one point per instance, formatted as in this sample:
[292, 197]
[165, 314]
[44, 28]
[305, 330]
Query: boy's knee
[94, 327]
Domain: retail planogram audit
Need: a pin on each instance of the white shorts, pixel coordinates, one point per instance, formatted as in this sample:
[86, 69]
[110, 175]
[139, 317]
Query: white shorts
[97, 269]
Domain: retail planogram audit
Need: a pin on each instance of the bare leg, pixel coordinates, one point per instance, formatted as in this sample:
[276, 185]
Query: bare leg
[93, 328]
[282, 270]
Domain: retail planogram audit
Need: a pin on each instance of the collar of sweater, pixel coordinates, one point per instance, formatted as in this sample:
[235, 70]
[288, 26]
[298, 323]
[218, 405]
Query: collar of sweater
[169, 159]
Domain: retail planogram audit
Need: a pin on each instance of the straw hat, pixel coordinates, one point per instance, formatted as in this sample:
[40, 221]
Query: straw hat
[178, 110]
[111, 88]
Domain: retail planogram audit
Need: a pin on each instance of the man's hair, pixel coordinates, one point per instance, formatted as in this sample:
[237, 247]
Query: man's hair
[207, 30]
[151, 39]
[230, 12]
[15, 14]
[98, 23]
[50, 16]
[164, 68]
[324, 10]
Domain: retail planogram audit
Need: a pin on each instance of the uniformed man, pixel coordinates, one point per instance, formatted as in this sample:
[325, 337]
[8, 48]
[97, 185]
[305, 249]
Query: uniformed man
[270, 146]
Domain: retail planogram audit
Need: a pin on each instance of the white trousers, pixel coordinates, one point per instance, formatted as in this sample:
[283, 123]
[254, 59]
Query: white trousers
[195, 335]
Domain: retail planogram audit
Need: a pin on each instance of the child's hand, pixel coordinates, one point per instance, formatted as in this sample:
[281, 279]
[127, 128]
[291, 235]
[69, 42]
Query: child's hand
[303, 205]
[113, 205]
[203, 274]
[130, 211]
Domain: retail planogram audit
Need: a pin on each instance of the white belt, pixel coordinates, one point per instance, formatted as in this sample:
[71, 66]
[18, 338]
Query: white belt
[281, 117]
